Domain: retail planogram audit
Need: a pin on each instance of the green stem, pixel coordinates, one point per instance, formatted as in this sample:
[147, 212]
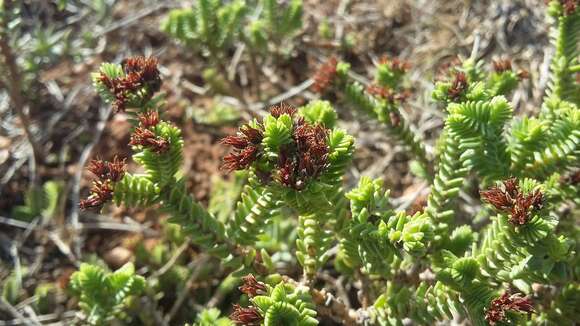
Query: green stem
[449, 179]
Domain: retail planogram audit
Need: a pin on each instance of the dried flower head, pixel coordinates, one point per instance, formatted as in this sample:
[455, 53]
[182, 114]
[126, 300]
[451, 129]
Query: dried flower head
[306, 159]
[148, 119]
[510, 199]
[119, 89]
[246, 144]
[505, 65]
[395, 64]
[523, 74]
[325, 75]
[395, 118]
[403, 95]
[572, 179]
[506, 302]
[458, 86]
[240, 160]
[147, 138]
[117, 169]
[512, 187]
[101, 192]
[381, 92]
[388, 94]
[520, 212]
[99, 168]
[446, 68]
[102, 189]
[498, 198]
[249, 316]
[502, 65]
[569, 6]
[247, 135]
[283, 108]
[141, 74]
[144, 70]
[252, 287]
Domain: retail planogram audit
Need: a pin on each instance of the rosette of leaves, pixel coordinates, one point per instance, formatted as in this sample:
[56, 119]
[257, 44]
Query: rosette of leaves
[209, 25]
[105, 296]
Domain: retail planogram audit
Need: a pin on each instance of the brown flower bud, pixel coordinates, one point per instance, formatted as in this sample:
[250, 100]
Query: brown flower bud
[148, 139]
[511, 200]
[325, 75]
[458, 87]
[249, 316]
[252, 287]
[277, 110]
[506, 302]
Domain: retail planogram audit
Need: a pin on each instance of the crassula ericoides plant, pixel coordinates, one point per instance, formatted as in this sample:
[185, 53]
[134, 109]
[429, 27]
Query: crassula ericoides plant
[516, 264]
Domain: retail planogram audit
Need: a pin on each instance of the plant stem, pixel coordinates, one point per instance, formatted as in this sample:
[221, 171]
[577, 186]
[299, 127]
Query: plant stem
[236, 90]
[14, 86]
[329, 306]
[217, 61]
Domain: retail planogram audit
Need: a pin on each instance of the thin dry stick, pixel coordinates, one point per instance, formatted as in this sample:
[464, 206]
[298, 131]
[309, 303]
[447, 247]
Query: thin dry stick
[329, 306]
[74, 215]
[236, 90]
[16, 314]
[183, 294]
[134, 19]
[15, 87]
[54, 319]
[173, 259]
[336, 283]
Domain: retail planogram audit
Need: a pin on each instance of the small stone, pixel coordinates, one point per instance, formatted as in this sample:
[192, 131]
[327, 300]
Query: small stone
[118, 257]
[5, 142]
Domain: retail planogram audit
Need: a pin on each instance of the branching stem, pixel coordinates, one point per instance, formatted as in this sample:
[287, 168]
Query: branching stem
[14, 86]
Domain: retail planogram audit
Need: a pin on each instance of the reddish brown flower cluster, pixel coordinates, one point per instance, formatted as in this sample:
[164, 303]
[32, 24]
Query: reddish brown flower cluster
[325, 75]
[515, 302]
[388, 94]
[505, 65]
[446, 68]
[306, 159]
[113, 171]
[395, 64]
[523, 74]
[246, 144]
[573, 179]
[148, 119]
[144, 70]
[252, 287]
[458, 87]
[281, 109]
[146, 137]
[140, 74]
[511, 200]
[502, 65]
[249, 316]
[107, 173]
[395, 119]
[570, 6]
